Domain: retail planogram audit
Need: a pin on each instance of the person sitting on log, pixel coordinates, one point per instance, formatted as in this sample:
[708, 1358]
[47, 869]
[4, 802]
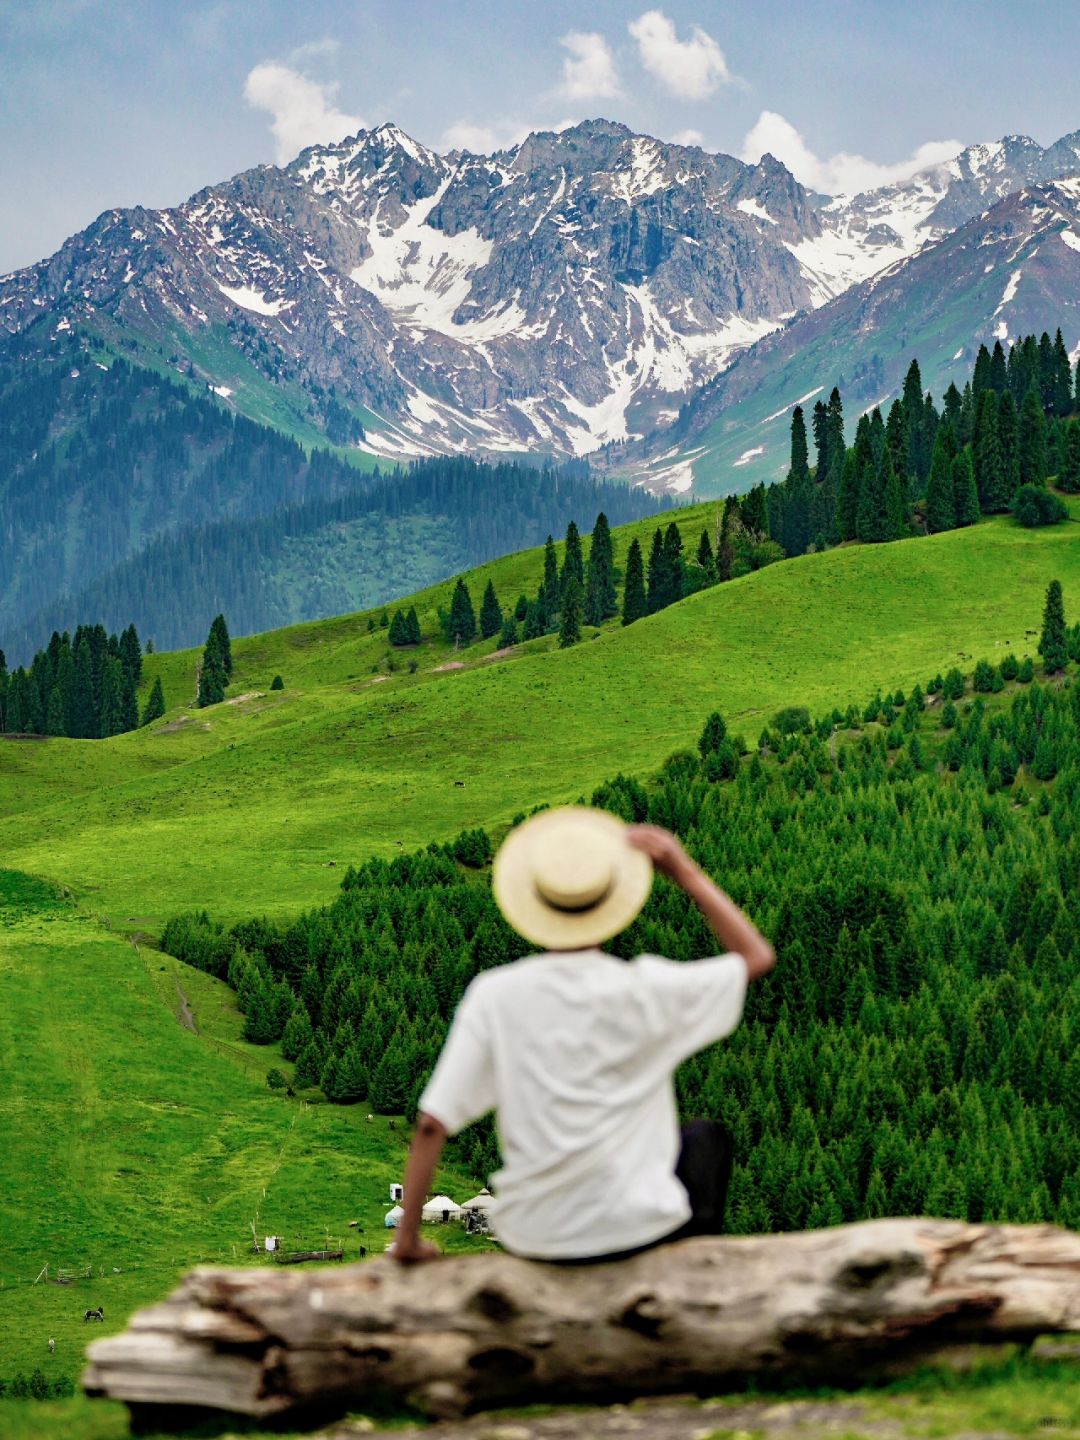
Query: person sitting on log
[574, 1050]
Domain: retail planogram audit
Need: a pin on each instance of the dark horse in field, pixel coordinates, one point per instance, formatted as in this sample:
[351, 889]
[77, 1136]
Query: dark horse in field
[98, 1314]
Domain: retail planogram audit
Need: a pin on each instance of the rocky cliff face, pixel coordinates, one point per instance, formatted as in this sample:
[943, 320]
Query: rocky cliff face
[570, 292]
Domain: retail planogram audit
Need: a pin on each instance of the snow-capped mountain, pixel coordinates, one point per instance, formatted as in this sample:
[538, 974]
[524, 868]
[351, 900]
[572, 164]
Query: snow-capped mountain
[572, 291]
[862, 234]
[1013, 270]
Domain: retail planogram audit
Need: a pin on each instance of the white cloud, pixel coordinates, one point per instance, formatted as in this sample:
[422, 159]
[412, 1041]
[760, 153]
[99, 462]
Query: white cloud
[690, 69]
[589, 69]
[481, 139]
[688, 137]
[302, 109]
[842, 173]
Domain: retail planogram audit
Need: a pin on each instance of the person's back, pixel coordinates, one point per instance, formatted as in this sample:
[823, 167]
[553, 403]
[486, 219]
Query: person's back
[575, 1050]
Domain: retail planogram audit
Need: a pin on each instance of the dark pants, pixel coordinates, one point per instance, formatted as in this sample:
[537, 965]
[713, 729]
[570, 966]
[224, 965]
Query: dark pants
[704, 1167]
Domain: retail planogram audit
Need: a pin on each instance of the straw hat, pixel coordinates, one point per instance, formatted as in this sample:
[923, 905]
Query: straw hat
[569, 879]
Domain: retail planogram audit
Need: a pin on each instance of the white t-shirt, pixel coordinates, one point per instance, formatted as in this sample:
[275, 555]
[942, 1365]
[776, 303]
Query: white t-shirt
[574, 1051]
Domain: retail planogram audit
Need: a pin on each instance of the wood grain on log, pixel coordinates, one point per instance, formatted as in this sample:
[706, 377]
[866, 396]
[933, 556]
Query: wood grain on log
[842, 1305]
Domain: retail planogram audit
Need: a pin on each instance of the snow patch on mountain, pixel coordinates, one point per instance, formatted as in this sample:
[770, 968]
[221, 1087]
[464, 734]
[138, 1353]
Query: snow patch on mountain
[248, 298]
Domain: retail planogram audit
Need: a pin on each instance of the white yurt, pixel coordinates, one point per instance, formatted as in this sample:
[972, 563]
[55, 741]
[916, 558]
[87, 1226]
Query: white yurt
[441, 1207]
[393, 1217]
[482, 1202]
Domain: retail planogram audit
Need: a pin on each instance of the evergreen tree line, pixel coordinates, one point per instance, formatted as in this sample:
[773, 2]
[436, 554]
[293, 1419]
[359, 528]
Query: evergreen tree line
[919, 872]
[84, 687]
[579, 592]
[991, 447]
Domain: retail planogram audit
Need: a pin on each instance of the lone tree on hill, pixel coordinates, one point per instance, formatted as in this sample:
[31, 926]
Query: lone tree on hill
[212, 675]
[635, 604]
[221, 630]
[462, 616]
[491, 617]
[1054, 641]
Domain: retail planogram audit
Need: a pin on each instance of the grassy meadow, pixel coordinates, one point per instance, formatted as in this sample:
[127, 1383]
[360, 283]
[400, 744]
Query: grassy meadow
[255, 805]
[135, 1147]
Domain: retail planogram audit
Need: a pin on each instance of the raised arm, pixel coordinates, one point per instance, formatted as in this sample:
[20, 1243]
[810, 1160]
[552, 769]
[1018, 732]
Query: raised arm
[731, 927]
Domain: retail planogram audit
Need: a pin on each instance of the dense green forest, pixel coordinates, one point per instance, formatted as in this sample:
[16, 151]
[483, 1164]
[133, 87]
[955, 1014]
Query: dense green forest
[917, 866]
[83, 687]
[131, 497]
[991, 447]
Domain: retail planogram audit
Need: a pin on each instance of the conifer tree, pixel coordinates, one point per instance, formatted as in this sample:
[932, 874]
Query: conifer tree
[986, 454]
[1009, 440]
[896, 524]
[54, 713]
[657, 582]
[1069, 478]
[870, 518]
[412, 627]
[705, 558]
[601, 601]
[533, 626]
[212, 676]
[462, 616]
[754, 512]
[550, 586]
[570, 615]
[111, 698]
[399, 630]
[847, 500]
[129, 702]
[131, 654]
[725, 548]
[491, 617]
[573, 562]
[674, 580]
[965, 494]
[508, 634]
[221, 630]
[912, 400]
[635, 603]
[1053, 642]
[1061, 399]
[896, 438]
[1032, 440]
[155, 705]
[940, 504]
[999, 375]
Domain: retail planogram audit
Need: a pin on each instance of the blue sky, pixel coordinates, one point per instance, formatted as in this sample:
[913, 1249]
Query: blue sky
[120, 102]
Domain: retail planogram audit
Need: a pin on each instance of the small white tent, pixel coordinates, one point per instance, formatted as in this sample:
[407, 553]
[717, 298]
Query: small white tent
[482, 1202]
[393, 1218]
[441, 1207]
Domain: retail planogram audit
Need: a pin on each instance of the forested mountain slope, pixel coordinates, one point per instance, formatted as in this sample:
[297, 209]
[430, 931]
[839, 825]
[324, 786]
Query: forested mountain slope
[135, 497]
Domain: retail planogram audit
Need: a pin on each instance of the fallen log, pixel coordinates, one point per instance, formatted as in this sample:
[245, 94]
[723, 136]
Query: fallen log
[845, 1305]
[297, 1257]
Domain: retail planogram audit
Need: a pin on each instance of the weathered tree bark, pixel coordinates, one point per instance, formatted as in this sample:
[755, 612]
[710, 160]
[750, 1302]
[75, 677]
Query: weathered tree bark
[844, 1305]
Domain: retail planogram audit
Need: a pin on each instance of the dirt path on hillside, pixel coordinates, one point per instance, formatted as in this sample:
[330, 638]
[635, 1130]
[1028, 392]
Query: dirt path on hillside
[184, 1014]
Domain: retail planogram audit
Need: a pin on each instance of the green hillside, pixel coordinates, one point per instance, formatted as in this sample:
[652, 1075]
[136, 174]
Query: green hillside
[140, 1136]
[250, 805]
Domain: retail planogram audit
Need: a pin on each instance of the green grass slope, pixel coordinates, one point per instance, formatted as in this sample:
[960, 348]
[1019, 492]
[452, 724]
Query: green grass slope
[134, 1146]
[253, 805]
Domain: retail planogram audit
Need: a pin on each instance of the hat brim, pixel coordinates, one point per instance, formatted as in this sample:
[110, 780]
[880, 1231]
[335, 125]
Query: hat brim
[544, 924]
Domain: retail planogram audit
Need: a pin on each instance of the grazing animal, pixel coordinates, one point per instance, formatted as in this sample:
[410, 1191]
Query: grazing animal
[52, 1345]
[363, 1252]
[371, 1117]
[98, 1314]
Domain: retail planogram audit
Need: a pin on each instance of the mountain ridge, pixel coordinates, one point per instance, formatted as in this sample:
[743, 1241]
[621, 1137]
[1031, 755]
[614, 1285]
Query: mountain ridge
[570, 292]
